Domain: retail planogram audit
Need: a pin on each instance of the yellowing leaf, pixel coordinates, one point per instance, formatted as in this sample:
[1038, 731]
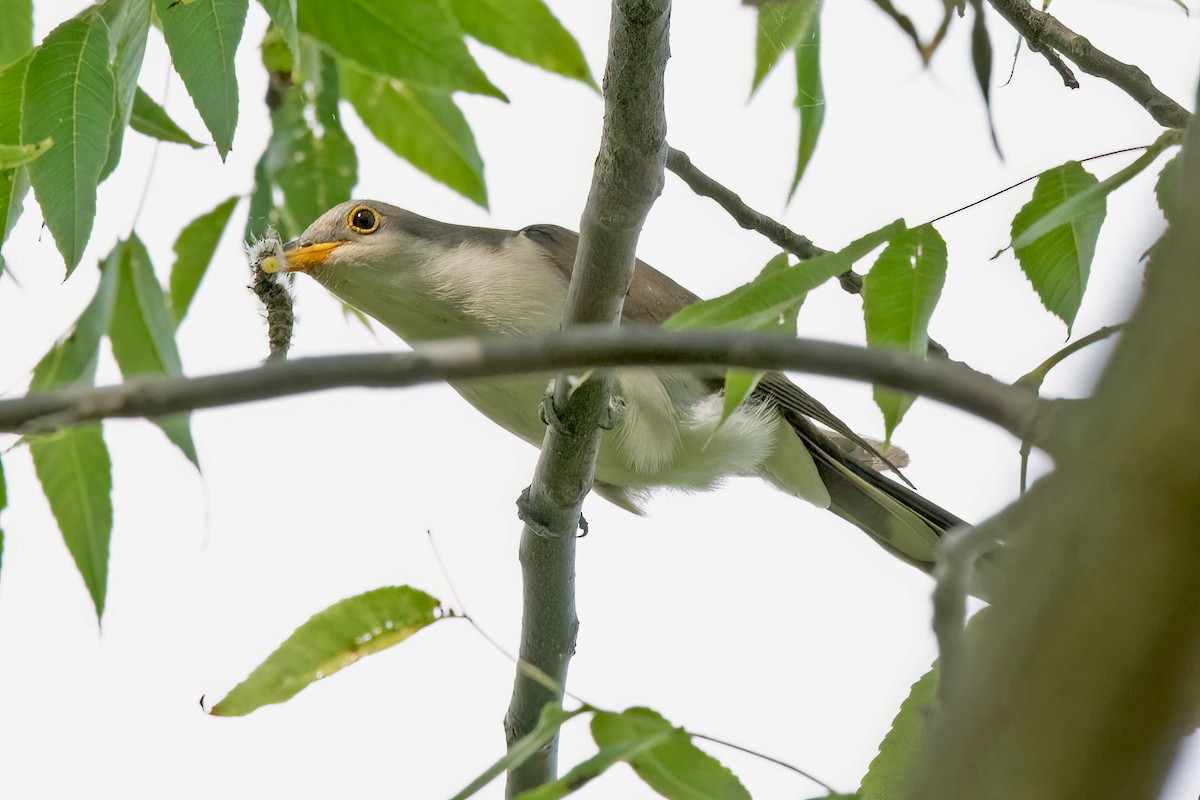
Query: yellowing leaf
[334, 638]
[15, 155]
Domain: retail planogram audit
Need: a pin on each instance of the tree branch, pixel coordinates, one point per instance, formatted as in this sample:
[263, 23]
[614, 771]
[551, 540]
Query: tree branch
[1013, 408]
[1044, 31]
[778, 233]
[1083, 682]
[750, 219]
[627, 179]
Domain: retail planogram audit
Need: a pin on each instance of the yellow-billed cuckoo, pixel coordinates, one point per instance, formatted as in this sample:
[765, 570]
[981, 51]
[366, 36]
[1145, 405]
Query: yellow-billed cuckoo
[425, 280]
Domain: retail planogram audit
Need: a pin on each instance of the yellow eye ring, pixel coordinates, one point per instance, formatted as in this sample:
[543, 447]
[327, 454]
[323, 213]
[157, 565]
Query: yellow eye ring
[363, 219]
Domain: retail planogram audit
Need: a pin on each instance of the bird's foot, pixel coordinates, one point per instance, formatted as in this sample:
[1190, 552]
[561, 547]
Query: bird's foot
[613, 413]
[610, 416]
[547, 413]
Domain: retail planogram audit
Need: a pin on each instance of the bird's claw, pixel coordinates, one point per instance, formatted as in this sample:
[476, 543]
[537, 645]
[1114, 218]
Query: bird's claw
[613, 413]
[547, 413]
[610, 416]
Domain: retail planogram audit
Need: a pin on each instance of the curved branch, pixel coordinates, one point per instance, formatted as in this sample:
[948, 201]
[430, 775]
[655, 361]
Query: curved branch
[753, 220]
[1044, 31]
[1015, 409]
[778, 233]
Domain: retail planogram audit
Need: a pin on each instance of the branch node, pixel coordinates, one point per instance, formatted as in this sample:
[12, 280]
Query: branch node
[526, 513]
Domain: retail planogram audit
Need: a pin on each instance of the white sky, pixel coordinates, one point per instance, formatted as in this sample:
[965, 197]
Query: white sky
[742, 613]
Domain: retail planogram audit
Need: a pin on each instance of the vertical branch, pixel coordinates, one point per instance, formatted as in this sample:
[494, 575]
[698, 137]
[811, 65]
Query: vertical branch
[1085, 682]
[627, 179]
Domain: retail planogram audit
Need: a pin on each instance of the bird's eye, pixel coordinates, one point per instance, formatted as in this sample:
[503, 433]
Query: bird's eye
[363, 220]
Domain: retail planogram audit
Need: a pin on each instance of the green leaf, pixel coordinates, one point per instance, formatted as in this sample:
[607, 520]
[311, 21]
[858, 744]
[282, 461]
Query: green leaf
[741, 382]
[16, 34]
[203, 36]
[1084, 202]
[421, 126]
[14, 183]
[550, 720]
[780, 26]
[70, 97]
[15, 155]
[149, 119]
[73, 359]
[890, 773]
[899, 296]
[128, 23]
[526, 30]
[314, 171]
[194, 251]
[283, 15]
[76, 475]
[981, 61]
[417, 41]
[1166, 188]
[753, 305]
[143, 338]
[1058, 262]
[905, 24]
[810, 96]
[332, 639]
[675, 768]
[584, 772]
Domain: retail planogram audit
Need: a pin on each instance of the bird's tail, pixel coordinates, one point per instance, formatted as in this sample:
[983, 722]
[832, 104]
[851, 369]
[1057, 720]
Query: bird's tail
[903, 522]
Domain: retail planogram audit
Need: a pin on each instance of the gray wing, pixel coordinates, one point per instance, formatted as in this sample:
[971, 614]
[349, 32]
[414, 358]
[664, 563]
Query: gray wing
[653, 297]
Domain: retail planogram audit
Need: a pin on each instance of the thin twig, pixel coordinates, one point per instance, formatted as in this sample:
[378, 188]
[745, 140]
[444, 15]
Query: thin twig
[1043, 31]
[1009, 188]
[765, 757]
[1034, 377]
[778, 233]
[1013, 408]
[1068, 76]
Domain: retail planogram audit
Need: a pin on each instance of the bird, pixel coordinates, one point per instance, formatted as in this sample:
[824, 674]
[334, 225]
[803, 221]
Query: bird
[426, 280]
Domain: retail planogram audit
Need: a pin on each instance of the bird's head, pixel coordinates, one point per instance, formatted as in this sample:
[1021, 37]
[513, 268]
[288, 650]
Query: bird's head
[355, 235]
[426, 279]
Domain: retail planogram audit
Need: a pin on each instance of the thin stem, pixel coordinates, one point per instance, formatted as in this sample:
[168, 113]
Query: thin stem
[1035, 376]
[765, 757]
[1034, 177]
